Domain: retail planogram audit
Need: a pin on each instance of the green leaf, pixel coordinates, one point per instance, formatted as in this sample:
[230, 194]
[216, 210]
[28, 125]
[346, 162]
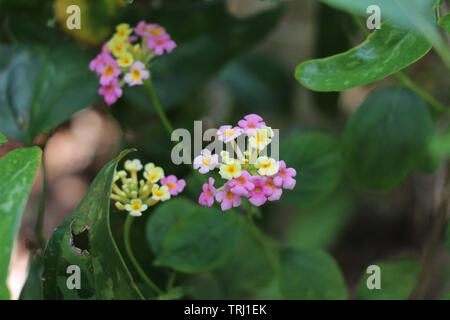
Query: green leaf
[398, 279]
[85, 239]
[444, 22]
[257, 270]
[3, 139]
[413, 16]
[446, 297]
[317, 159]
[386, 138]
[310, 275]
[385, 52]
[201, 241]
[166, 216]
[198, 58]
[42, 87]
[32, 289]
[320, 226]
[18, 170]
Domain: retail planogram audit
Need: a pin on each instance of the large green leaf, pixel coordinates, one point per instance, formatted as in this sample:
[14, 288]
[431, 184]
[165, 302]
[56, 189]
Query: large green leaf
[42, 87]
[386, 138]
[32, 289]
[398, 279]
[317, 159]
[310, 275]
[18, 170]
[444, 22]
[414, 16]
[85, 239]
[385, 52]
[218, 38]
[201, 241]
[166, 216]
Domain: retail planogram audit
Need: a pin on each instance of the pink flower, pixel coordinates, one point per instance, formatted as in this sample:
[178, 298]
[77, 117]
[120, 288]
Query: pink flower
[251, 122]
[161, 43]
[174, 185]
[206, 161]
[276, 191]
[228, 133]
[155, 30]
[132, 39]
[209, 192]
[111, 92]
[137, 74]
[98, 63]
[242, 185]
[261, 191]
[141, 29]
[285, 176]
[228, 199]
[109, 72]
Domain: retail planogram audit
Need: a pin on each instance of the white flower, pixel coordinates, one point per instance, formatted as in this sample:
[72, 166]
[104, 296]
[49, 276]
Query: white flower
[154, 174]
[261, 137]
[230, 169]
[267, 166]
[133, 165]
[206, 161]
[136, 207]
[160, 193]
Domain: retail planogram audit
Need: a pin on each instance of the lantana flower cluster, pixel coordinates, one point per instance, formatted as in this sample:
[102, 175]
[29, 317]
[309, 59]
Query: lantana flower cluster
[251, 175]
[125, 58]
[136, 195]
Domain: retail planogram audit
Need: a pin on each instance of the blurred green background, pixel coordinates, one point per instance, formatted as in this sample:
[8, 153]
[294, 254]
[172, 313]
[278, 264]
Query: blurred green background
[234, 57]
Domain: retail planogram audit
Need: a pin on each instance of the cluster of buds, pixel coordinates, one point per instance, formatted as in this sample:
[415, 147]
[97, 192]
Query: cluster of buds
[125, 58]
[256, 177]
[135, 195]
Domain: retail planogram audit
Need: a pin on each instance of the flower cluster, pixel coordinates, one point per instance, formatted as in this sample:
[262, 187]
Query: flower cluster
[125, 57]
[136, 195]
[253, 176]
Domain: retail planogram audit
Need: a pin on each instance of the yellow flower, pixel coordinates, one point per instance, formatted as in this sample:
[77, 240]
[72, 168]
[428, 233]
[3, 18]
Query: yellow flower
[123, 31]
[160, 193]
[261, 138]
[154, 174]
[125, 60]
[117, 46]
[230, 169]
[136, 207]
[267, 166]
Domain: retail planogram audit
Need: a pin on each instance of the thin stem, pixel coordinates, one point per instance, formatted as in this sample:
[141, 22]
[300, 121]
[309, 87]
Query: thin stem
[41, 211]
[126, 236]
[431, 251]
[171, 280]
[260, 238]
[159, 110]
[407, 82]
[360, 25]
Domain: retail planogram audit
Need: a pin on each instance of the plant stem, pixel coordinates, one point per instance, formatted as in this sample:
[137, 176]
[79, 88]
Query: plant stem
[260, 238]
[157, 105]
[126, 236]
[171, 280]
[407, 82]
[431, 250]
[41, 211]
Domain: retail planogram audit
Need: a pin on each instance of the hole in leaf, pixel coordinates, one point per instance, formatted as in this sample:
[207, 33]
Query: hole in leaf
[80, 241]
